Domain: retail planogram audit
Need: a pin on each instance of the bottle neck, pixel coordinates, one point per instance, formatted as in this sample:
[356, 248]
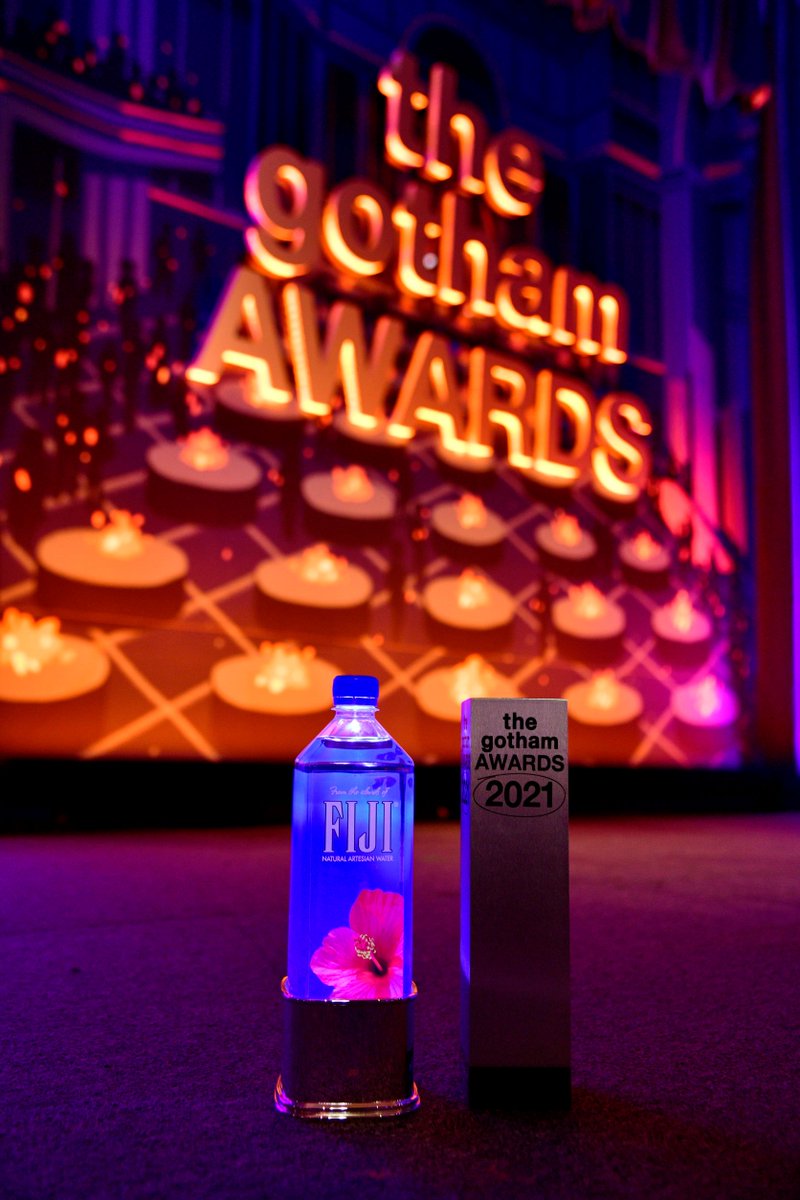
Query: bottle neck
[355, 722]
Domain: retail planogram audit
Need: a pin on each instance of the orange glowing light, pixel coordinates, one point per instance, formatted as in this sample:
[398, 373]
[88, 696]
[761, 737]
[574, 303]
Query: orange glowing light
[587, 602]
[603, 691]
[22, 480]
[472, 678]
[472, 590]
[318, 565]
[675, 507]
[25, 293]
[163, 375]
[204, 450]
[636, 419]
[28, 645]
[681, 613]
[645, 547]
[760, 97]
[121, 536]
[471, 512]
[708, 696]
[566, 530]
[283, 666]
[90, 436]
[351, 484]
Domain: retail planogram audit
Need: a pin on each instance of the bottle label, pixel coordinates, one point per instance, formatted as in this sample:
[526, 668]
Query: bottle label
[358, 825]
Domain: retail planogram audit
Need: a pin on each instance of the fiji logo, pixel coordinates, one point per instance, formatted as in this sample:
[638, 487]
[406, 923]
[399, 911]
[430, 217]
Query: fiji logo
[361, 833]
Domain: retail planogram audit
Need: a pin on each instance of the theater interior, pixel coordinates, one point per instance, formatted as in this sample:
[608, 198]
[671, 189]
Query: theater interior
[454, 346]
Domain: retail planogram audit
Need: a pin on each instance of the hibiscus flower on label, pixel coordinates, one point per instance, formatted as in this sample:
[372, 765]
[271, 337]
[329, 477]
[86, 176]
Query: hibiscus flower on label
[364, 961]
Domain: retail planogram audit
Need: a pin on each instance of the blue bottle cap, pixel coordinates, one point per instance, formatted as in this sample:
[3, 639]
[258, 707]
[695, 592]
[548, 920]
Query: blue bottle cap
[355, 689]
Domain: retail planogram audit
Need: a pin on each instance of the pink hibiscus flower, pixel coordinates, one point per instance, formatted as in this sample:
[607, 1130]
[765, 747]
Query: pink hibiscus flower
[365, 960]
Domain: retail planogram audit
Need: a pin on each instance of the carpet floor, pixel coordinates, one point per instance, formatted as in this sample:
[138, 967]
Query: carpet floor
[140, 1025]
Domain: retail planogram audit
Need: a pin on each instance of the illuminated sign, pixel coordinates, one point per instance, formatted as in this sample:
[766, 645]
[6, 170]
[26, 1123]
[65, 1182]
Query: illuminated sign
[436, 252]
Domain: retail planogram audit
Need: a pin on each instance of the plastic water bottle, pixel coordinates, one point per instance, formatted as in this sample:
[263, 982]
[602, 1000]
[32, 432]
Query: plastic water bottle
[350, 911]
[349, 996]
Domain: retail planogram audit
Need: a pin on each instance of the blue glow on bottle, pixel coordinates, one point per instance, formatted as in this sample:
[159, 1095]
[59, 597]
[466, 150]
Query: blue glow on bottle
[350, 905]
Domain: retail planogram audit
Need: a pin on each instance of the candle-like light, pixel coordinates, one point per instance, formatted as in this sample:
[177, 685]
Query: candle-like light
[644, 546]
[283, 666]
[586, 613]
[474, 677]
[441, 692]
[468, 601]
[679, 621]
[644, 554]
[351, 484]
[317, 564]
[204, 450]
[28, 645]
[281, 680]
[681, 612]
[603, 700]
[705, 704]
[471, 512]
[114, 553]
[120, 533]
[564, 537]
[352, 493]
[468, 522]
[314, 578]
[39, 664]
[566, 529]
[710, 697]
[472, 591]
[603, 691]
[587, 601]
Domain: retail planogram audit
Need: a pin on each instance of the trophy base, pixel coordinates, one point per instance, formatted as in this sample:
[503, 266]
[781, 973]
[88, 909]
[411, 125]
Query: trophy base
[347, 1058]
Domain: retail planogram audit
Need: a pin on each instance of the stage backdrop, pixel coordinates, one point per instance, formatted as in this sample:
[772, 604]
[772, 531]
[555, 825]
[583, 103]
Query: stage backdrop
[390, 433]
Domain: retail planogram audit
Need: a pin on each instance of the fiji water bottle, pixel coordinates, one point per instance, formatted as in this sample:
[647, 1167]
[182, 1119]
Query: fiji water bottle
[348, 994]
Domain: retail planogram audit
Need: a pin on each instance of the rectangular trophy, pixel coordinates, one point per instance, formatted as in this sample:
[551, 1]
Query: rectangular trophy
[515, 985]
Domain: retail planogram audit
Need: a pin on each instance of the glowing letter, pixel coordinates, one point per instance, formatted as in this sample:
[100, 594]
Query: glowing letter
[556, 464]
[501, 390]
[364, 378]
[621, 460]
[283, 194]
[523, 293]
[613, 305]
[357, 228]
[467, 254]
[405, 98]
[429, 396]
[419, 232]
[456, 134]
[590, 316]
[246, 304]
[514, 173]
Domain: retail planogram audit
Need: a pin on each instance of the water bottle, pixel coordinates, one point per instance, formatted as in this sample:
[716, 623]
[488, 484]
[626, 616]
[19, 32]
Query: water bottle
[349, 989]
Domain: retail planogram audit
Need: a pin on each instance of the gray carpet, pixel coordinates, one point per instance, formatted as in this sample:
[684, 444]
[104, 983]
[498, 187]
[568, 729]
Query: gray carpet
[140, 1024]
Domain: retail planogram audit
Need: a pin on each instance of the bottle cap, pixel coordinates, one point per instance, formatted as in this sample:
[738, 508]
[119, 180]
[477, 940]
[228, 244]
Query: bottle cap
[355, 689]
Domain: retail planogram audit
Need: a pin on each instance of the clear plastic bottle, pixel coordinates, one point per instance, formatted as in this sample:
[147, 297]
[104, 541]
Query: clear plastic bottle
[350, 915]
